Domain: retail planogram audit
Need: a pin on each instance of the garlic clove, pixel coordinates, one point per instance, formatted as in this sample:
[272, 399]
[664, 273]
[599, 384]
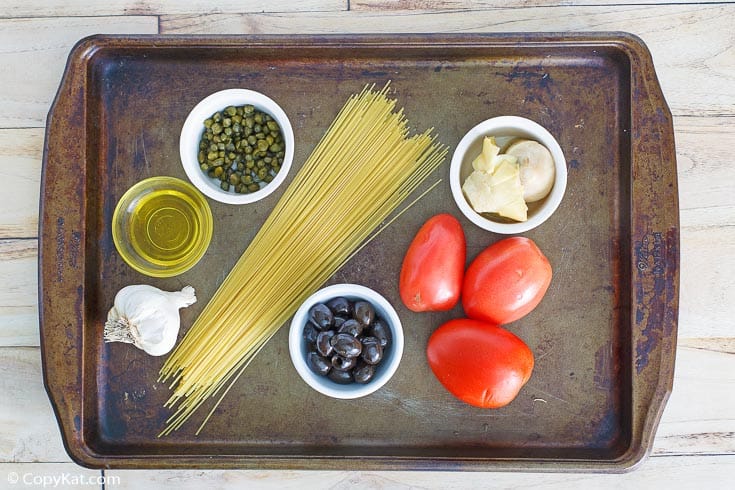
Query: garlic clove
[537, 171]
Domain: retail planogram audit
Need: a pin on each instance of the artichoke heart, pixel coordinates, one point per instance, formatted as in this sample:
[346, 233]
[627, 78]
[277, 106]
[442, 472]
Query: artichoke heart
[486, 161]
[499, 191]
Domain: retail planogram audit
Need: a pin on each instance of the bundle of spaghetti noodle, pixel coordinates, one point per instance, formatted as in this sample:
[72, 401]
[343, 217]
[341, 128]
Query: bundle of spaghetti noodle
[364, 166]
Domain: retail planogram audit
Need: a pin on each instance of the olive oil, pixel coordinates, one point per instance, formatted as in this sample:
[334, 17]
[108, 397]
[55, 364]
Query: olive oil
[164, 227]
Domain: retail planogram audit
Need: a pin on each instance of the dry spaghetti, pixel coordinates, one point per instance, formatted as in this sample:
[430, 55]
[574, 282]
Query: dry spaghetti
[365, 165]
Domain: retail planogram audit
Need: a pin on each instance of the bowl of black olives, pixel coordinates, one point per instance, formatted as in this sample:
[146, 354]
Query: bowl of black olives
[346, 341]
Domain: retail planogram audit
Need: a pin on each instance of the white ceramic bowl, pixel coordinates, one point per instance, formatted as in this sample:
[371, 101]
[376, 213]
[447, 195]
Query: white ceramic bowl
[386, 368]
[506, 128]
[191, 134]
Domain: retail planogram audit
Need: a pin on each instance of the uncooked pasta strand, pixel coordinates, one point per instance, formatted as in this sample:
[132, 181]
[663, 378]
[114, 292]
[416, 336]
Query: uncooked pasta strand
[364, 166]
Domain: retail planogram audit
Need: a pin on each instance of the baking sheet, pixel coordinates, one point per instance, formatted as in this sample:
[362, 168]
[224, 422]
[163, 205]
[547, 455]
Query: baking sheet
[603, 337]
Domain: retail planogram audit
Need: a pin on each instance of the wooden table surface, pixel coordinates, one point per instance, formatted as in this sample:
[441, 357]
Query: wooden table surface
[693, 48]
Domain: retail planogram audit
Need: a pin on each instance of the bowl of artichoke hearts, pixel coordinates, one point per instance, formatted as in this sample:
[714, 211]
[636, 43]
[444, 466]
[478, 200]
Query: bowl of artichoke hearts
[508, 174]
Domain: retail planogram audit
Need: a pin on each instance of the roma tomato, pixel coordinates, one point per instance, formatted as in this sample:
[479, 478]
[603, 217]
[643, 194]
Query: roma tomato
[433, 268]
[479, 363]
[506, 281]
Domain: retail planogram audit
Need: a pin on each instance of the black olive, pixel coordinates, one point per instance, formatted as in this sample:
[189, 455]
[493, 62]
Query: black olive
[339, 320]
[364, 312]
[346, 345]
[352, 327]
[340, 307]
[343, 363]
[364, 372]
[323, 346]
[340, 377]
[321, 316]
[318, 364]
[372, 351]
[381, 331]
[310, 333]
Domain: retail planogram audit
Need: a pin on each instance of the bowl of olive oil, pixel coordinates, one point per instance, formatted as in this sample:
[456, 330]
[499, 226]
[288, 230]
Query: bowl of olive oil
[162, 226]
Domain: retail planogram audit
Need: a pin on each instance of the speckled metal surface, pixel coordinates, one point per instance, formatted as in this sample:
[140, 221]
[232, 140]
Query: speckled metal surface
[603, 337]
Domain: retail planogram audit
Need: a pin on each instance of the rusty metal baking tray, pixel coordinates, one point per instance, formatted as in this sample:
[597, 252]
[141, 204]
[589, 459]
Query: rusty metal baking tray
[604, 337]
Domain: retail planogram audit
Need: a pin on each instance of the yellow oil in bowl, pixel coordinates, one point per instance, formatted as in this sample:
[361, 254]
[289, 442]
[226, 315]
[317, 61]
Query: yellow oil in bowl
[162, 226]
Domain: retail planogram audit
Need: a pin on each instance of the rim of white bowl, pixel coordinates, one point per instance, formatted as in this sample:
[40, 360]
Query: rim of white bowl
[322, 384]
[192, 130]
[521, 126]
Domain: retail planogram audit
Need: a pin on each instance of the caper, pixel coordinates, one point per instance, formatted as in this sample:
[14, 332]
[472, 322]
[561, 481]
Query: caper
[230, 111]
[253, 187]
[225, 186]
[216, 128]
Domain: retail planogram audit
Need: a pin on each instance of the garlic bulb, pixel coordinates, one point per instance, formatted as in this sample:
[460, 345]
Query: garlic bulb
[147, 317]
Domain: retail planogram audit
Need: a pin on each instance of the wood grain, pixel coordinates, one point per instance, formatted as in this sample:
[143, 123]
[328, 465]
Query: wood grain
[85, 8]
[699, 413]
[33, 54]
[696, 77]
[383, 5]
[682, 472]
[20, 171]
[18, 295]
[28, 430]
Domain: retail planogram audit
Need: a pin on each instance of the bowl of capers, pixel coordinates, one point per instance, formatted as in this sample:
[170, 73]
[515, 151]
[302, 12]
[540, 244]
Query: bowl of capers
[237, 146]
[346, 341]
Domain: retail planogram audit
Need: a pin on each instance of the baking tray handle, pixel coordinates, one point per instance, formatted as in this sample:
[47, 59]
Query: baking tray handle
[62, 250]
[655, 244]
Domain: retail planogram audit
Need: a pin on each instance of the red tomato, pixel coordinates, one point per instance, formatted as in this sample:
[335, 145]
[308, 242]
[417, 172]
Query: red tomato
[506, 281]
[479, 363]
[431, 276]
